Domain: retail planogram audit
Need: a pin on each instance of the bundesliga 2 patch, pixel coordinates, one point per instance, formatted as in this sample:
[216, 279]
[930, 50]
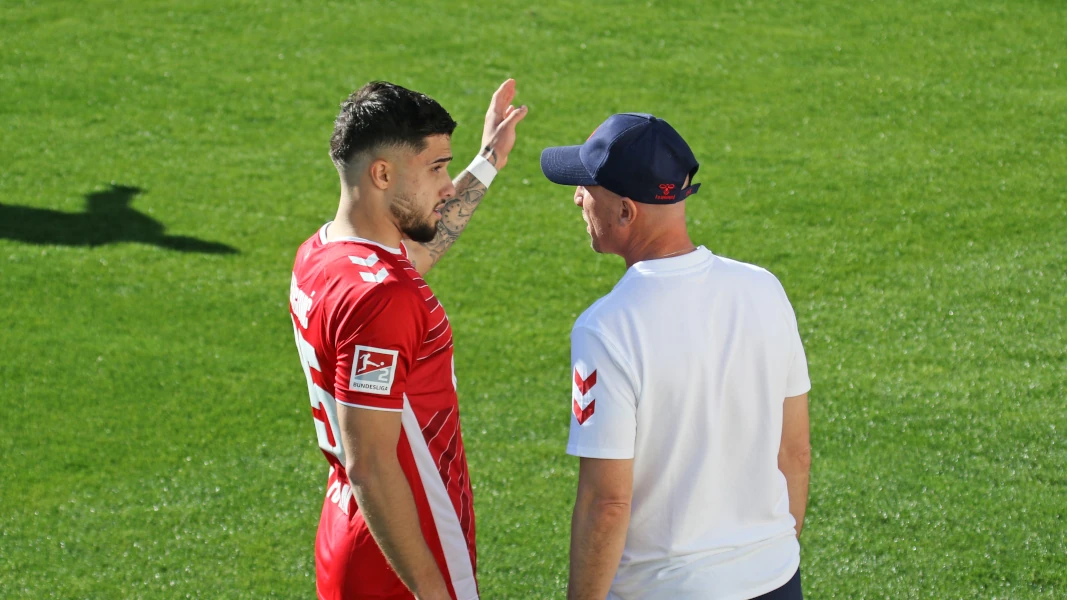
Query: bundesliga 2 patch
[373, 370]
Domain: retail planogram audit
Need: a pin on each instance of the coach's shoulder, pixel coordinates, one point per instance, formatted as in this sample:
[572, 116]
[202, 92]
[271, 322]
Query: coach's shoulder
[598, 312]
[747, 271]
[740, 267]
[609, 318]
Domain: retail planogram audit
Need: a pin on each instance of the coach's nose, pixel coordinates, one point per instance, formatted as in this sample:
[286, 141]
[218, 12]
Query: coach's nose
[578, 193]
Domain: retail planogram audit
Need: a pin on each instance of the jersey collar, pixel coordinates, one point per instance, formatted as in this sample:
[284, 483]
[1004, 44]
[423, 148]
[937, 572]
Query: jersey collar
[391, 250]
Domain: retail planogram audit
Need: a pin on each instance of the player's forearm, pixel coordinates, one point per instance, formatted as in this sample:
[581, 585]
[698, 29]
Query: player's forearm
[796, 466]
[598, 534]
[388, 507]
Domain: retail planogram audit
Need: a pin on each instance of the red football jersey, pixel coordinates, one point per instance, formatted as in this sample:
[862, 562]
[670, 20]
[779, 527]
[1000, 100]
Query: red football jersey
[371, 334]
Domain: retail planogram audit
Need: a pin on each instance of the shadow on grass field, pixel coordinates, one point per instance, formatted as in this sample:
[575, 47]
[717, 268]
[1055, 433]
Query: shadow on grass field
[109, 218]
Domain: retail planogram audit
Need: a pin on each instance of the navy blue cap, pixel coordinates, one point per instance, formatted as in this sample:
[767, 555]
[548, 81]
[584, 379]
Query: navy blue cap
[631, 154]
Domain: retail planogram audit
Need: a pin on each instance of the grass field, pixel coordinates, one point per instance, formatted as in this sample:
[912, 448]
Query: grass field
[901, 166]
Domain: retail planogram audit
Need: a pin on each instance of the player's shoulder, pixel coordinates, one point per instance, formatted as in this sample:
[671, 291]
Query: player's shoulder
[366, 276]
[362, 266]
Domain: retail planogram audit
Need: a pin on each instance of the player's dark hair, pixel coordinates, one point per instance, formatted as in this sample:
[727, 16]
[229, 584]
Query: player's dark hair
[383, 114]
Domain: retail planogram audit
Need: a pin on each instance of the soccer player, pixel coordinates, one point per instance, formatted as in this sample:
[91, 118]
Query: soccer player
[690, 393]
[376, 348]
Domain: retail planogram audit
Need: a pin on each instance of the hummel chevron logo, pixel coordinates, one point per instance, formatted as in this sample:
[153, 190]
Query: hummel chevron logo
[584, 385]
[376, 277]
[583, 415]
[368, 262]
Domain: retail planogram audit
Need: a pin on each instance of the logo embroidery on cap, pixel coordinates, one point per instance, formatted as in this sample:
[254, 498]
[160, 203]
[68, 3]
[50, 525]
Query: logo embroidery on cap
[373, 370]
[667, 195]
[584, 385]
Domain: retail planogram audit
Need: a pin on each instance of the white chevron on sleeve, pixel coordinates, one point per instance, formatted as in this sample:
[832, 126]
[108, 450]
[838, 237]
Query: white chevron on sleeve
[368, 262]
[375, 278]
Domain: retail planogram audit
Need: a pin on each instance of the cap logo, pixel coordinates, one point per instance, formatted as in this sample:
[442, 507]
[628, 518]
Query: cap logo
[666, 188]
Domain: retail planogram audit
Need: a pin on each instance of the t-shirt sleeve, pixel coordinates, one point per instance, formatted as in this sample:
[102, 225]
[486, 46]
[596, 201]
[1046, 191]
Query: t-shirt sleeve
[603, 400]
[797, 381]
[376, 338]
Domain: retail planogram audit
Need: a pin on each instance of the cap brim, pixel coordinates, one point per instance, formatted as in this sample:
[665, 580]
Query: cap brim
[563, 165]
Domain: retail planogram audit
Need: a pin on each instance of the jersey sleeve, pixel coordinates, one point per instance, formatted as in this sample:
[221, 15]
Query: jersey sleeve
[376, 338]
[603, 400]
[797, 381]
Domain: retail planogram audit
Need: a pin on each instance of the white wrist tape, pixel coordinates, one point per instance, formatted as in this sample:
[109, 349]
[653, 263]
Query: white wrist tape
[482, 169]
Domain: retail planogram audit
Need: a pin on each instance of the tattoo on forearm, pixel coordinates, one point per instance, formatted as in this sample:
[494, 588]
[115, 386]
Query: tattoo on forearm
[457, 213]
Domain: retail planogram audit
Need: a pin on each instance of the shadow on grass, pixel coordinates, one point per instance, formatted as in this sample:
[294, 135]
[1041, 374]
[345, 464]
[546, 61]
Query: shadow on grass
[108, 220]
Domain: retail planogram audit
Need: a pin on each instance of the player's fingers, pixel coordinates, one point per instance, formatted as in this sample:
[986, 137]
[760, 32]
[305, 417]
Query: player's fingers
[510, 109]
[516, 115]
[502, 97]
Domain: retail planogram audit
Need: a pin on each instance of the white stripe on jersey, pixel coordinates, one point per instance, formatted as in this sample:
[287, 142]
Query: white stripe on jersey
[436, 337]
[453, 543]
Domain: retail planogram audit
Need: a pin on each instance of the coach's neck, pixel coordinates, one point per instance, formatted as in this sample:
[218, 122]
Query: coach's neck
[654, 232]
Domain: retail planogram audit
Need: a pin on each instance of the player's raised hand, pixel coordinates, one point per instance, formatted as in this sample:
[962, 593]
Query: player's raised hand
[498, 135]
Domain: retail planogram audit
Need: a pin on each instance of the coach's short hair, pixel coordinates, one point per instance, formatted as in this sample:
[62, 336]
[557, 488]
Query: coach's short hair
[383, 114]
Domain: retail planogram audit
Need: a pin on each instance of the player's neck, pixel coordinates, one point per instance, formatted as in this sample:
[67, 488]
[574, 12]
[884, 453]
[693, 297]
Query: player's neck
[362, 218]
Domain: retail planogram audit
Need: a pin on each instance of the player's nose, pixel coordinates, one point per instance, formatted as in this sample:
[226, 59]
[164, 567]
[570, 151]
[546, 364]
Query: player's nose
[578, 193]
[449, 191]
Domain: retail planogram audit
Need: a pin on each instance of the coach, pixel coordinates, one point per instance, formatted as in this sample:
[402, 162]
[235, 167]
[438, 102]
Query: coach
[690, 405]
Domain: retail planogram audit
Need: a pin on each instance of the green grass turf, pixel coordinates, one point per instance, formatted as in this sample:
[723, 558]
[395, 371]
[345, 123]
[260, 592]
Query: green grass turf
[900, 165]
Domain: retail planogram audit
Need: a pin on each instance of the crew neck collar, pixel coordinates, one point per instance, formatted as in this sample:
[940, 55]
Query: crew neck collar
[322, 238]
[673, 263]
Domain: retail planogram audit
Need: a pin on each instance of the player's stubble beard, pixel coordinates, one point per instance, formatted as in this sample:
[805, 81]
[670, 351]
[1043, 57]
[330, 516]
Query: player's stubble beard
[417, 228]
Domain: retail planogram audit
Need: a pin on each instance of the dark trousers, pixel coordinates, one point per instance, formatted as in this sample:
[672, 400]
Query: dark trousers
[789, 591]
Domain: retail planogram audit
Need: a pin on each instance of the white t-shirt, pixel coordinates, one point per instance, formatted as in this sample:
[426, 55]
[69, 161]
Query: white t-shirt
[684, 367]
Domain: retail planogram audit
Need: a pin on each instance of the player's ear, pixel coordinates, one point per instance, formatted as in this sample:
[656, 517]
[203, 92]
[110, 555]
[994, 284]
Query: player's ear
[382, 173]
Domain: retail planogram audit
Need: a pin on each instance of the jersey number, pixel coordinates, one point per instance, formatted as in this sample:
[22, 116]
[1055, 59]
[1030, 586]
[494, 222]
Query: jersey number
[323, 405]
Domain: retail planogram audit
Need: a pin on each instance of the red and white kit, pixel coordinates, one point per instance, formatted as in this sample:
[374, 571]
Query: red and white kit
[372, 335]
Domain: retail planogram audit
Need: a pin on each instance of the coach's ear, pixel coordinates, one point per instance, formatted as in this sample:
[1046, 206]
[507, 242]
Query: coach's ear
[627, 212]
[382, 173]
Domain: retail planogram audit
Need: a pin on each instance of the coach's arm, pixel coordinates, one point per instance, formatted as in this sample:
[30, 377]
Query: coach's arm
[498, 138]
[370, 438]
[794, 455]
[598, 525]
